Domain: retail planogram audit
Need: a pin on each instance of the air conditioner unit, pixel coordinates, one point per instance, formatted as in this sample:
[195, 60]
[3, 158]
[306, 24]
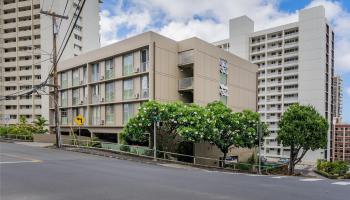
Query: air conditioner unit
[102, 122]
[81, 102]
[137, 95]
[102, 99]
[137, 70]
[81, 82]
[102, 77]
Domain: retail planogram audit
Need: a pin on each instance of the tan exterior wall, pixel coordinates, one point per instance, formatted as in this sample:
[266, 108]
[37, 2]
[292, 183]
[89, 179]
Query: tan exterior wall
[164, 72]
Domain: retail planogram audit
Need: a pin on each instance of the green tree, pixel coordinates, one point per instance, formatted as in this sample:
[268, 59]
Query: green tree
[194, 123]
[233, 129]
[227, 127]
[250, 120]
[39, 125]
[302, 129]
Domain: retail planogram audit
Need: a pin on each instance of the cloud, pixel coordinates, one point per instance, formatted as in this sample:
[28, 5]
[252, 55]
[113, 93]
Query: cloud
[348, 91]
[208, 20]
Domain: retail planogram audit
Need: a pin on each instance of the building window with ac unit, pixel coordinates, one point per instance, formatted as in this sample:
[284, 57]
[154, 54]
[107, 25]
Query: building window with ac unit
[95, 93]
[64, 117]
[144, 87]
[75, 97]
[75, 77]
[84, 75]
[95, 115]
[128, 112]
[128, 64]
[75, 112]
[109, 69]
[144, 60]
[64, 99]
[110, 115]
[128, 89]
[110, 91]
[95, 72]
[64, 80]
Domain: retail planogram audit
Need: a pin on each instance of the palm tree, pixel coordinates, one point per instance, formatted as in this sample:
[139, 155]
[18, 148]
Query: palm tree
[39, 125]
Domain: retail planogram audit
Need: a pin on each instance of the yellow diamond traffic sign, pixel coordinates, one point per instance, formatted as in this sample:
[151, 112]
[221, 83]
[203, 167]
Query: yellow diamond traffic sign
[80, 120]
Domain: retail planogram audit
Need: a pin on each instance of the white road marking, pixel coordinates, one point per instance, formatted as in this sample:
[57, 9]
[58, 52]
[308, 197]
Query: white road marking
[311, 179]
[254, 175]
[341, 183]
[25, 161]
[278, 177]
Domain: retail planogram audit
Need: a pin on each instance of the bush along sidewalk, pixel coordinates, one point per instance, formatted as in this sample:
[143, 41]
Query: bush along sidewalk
[333, 170]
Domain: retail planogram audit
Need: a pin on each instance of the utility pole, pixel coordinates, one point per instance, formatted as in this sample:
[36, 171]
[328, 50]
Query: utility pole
[259, 132]
[55, 76]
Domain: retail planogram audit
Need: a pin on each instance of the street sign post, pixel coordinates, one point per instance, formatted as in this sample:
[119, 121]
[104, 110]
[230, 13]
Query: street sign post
[156, 120]
[79, 120]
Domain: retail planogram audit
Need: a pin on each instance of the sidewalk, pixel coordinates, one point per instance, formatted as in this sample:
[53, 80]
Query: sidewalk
[35, 144]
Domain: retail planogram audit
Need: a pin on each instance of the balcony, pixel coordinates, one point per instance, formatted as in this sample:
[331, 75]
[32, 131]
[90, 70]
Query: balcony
[186, 84]
[186, 57]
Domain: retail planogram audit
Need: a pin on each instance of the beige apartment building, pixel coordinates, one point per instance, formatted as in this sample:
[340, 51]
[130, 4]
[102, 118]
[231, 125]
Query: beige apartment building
[108, 85]
[26, 46]
[296, 65]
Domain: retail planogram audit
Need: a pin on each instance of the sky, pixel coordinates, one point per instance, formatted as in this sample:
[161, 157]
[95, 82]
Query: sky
[208, 20]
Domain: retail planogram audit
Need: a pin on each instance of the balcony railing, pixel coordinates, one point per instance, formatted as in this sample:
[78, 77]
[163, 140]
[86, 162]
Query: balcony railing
[186, 57]
[186, 83]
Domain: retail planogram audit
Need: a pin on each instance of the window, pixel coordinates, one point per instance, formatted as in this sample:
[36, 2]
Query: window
[75, 97]
[128, 112]
[84, 75]
[64, 117]
[223, 99]
[95, 115]
[64, 80]
[75, 77]
[110, 115]
[64, 99]
[128, 64]
[144, 87]
[223, 79]
[144, 60]
[109, 69]
[110, 91]
[95, 72]
[128, 89]
[75, 112]
[95, 93]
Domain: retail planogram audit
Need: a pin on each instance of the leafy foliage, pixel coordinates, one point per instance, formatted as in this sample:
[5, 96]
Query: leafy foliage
[215, 123]
[338, 168]
[302, 128]
[24, 129]
[39, 125]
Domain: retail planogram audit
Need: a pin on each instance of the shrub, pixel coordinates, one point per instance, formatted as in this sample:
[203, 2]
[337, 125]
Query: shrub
[125, 148]
[338, 168]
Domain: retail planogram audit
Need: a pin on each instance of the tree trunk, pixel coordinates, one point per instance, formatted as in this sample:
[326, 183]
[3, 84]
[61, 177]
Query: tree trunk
[223, 159]
[291, 160]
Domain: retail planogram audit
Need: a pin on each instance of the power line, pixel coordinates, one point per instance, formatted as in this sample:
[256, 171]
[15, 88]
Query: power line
[71, 31]
[64, 11]
[75, 22]
[70, 23]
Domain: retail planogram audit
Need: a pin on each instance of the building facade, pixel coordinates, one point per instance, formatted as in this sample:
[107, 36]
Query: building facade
[296, 65]
[108, 85]
[337, 96]
[26, 46]
[341, 142]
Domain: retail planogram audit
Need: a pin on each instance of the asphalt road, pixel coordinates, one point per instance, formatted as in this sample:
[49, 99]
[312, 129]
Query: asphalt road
[39, 173]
